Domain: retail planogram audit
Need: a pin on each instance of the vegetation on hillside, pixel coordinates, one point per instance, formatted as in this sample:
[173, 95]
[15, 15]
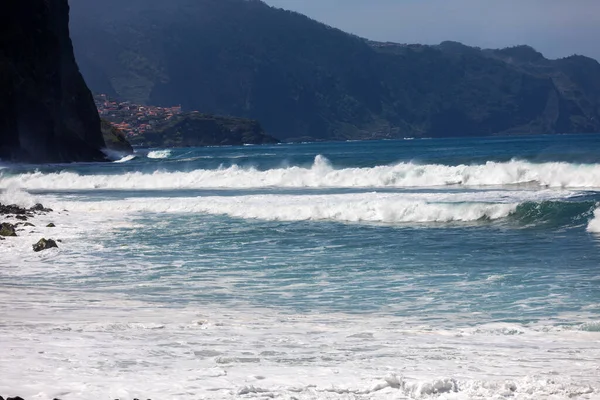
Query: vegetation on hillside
[195, 129]
[115, 139]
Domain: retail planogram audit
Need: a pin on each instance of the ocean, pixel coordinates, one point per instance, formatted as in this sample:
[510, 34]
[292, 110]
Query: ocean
[412, 269]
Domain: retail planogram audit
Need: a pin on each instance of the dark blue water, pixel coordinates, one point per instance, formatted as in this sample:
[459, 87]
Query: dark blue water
[476, 230]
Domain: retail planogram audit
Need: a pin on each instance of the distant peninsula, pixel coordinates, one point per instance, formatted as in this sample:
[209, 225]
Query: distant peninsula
[196, 130]
[152, 126]
[304, 80]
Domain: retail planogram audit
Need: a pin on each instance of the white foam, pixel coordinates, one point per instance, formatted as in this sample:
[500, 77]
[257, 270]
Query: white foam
[115, 155]
[365, 207]
[86, 345]
[594, 224]
[322, 174]
[125, 159]
[78, 342]
[14, 195]
[373, 207]
[159, 154]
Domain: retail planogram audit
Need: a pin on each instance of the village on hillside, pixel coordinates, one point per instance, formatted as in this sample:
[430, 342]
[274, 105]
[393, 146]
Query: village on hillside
[133, 119]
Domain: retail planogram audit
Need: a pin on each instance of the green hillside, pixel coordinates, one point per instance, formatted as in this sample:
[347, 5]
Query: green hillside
[195, 129]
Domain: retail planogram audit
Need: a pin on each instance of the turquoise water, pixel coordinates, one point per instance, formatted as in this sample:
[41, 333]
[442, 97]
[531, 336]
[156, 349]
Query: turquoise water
[443, 239]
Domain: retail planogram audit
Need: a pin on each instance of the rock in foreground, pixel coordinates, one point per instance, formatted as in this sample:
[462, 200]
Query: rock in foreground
[44, 244]
[7, 229]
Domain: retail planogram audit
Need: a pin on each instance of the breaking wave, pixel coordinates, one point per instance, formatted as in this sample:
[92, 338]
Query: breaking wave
[554, 213]
[125, 159]
[159, 154]
[594, 225]
[323, 175]
[357, 208]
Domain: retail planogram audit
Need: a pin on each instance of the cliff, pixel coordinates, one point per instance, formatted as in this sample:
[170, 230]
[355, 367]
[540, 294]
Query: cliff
[194, 129]
[47, 113]
[114, 138]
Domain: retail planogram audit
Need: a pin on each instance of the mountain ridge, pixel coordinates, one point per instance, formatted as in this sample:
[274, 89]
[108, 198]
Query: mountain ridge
[308, 81]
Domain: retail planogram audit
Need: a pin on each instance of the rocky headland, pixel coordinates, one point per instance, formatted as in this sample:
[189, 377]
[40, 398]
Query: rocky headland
[115, 138]
[196, 129]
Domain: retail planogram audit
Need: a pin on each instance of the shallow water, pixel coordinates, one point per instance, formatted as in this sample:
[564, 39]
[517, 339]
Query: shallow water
[394, 269]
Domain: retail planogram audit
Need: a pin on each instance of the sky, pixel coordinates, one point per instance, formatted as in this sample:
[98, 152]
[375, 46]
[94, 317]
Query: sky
[557, 28]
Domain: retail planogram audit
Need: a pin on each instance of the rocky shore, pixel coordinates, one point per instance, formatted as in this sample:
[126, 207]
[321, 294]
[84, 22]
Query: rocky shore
[23, 215]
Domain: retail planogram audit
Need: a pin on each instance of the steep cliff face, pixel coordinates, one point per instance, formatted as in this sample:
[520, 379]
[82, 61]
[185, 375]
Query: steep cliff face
[47, 113]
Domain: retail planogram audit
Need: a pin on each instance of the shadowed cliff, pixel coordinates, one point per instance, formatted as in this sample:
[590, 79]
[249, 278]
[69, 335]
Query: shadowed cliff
[47, 113]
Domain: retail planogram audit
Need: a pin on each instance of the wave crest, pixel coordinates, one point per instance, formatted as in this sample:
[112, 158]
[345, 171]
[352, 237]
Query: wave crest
[159, 154]
[343, 208]
[323, 175]
[594, 224]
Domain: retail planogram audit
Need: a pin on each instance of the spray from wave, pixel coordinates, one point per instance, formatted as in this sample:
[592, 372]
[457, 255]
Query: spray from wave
[125, 159]
[14, 195]
[594, 224]
[159, 154]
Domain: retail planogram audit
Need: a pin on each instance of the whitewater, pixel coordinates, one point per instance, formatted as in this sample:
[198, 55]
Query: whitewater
[322, 175]
[421, 269]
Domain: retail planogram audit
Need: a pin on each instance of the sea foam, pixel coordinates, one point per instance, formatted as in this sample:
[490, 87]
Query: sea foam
[594, 224]
[100, 349]
[323, 175]
[125, 159]
[369, 207]
[159, 154]
[14, 195]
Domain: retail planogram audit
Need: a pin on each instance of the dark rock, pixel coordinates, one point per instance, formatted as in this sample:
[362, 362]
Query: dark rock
[47, 113]
[44, 244]
[7, 229]
[28, 224]
[114, 138]
[22, 217]
[12, 209]
[15, 398]
[40, 208]
[50, 225]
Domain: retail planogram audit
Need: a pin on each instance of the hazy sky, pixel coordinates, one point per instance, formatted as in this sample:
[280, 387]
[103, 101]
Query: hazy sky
[557, 28]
